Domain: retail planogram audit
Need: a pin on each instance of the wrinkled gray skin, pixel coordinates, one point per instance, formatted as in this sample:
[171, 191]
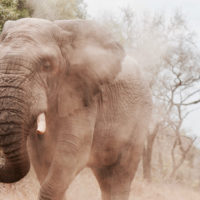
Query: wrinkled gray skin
[97, 109]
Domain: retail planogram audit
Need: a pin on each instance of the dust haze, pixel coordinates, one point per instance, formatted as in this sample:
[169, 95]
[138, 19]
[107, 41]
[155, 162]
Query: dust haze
[85, 187]
[144, 54]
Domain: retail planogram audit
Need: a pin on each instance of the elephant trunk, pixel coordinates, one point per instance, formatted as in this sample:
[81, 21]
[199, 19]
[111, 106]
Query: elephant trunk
[13, 131]
[17, 162]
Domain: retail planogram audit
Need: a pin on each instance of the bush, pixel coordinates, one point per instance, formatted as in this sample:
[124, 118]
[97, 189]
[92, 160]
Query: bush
[12, 10]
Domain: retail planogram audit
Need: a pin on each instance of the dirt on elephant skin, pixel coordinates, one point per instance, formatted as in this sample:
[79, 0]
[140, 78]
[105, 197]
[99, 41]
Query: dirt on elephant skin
[85, 187]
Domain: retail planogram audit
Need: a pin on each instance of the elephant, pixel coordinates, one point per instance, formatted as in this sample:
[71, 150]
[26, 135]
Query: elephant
[70, 98]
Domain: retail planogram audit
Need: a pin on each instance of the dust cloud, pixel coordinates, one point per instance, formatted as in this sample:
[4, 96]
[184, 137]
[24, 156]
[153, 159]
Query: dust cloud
[85, 187]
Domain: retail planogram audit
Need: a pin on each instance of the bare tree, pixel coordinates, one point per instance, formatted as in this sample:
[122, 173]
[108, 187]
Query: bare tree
[177, 90]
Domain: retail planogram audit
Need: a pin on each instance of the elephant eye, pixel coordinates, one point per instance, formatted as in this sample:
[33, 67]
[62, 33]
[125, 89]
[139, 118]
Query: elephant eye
[47, 67]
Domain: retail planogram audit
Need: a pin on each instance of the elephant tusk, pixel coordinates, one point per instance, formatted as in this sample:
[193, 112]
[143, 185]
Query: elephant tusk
[41, 124]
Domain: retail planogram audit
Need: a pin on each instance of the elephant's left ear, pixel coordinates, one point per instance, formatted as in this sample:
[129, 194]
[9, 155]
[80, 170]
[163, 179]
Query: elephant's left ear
[90, 50]
[93, 58]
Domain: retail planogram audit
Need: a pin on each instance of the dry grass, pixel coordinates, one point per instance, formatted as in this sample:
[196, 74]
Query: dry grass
[145, 191]
[85, 187]
[26, 189]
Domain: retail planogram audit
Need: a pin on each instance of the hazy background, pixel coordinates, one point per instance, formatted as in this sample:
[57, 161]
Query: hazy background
[189, 8]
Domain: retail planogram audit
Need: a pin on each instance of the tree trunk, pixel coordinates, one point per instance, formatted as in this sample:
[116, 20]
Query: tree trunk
[147, 154]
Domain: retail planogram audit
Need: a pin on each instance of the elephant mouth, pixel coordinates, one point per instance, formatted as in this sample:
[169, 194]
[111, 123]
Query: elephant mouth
[41, 123]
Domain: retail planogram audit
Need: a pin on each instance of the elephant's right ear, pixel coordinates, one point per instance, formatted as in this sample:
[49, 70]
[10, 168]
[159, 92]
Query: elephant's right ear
[8, 24]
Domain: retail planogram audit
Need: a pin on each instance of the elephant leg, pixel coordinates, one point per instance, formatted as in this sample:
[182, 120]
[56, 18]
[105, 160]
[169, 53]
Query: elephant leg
[113, 186]
[71, 154]
[115, 180]
[41, 154]
[63, 170]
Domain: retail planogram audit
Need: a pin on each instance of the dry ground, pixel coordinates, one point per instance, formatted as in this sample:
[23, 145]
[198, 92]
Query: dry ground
[85, 187]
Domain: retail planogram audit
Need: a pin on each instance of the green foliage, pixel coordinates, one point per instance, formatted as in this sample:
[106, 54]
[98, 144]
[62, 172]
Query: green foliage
[47, 9]
[58, 9]
[12, 10]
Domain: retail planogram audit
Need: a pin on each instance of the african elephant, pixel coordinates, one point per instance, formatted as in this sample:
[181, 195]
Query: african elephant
[70, 98]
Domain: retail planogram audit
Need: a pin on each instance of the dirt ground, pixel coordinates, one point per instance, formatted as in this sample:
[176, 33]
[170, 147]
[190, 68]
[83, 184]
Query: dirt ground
[85, 187]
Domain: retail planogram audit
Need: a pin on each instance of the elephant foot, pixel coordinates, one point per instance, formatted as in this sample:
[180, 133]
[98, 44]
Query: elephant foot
[47, 192]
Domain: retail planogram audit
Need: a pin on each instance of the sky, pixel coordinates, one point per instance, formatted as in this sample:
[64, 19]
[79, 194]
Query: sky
[189, 8]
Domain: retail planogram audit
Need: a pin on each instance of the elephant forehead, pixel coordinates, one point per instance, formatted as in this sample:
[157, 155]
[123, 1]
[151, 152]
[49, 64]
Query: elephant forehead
[29, 29]
[32, 23]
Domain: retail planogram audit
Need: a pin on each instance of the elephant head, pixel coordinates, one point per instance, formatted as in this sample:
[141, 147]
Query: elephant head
[43, 66]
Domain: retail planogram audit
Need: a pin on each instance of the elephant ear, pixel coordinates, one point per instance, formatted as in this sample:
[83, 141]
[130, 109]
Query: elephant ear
[92, 58]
